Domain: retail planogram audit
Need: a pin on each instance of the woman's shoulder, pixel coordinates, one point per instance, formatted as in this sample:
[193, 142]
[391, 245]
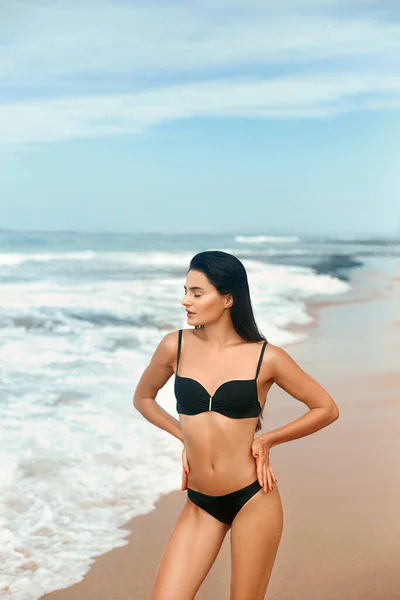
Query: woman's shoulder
[170, 339]
[167, 348]
[277, 358]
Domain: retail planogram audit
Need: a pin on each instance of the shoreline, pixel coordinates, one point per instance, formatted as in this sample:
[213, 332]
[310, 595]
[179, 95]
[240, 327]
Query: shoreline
[313, 529]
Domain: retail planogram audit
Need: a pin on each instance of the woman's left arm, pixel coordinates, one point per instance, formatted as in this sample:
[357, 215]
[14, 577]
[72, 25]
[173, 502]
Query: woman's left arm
[323, 410]
[290, 376]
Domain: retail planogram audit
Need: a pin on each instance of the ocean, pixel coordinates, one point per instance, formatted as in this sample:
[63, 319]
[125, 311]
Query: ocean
[80, 316]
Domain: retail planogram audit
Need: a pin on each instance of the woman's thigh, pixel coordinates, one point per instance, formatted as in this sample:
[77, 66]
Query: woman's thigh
[255, 535]
[190, 552]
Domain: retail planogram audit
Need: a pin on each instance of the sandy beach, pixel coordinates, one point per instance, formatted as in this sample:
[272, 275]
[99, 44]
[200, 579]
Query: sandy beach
[340, 487]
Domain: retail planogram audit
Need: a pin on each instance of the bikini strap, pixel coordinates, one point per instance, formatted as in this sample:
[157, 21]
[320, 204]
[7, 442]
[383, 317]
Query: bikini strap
[261, 357]
[179, 348]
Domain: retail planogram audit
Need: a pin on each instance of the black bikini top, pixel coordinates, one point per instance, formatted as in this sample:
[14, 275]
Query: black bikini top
[237, 398]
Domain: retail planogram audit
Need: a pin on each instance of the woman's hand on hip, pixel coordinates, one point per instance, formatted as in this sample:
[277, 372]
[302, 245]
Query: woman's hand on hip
[260, 450]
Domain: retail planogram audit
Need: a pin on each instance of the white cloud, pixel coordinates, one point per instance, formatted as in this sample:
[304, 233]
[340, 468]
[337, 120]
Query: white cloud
[44, 39]
[111, 67]
[69, 118]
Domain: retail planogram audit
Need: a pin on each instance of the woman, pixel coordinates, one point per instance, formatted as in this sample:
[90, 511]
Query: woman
[226, 368]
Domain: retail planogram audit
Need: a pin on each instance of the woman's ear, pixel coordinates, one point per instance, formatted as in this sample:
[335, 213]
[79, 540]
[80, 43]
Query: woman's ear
[229, 300]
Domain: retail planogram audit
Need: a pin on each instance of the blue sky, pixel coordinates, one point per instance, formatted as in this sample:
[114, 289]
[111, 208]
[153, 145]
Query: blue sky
[234, 116]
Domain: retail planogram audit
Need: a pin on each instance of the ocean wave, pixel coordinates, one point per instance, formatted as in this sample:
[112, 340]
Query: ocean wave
[261, 239]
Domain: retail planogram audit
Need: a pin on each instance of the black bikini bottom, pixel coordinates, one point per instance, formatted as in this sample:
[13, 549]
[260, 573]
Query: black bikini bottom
[224, 508]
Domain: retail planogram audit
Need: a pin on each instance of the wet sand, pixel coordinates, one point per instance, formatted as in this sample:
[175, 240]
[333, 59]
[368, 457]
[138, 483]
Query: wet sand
[340, 487]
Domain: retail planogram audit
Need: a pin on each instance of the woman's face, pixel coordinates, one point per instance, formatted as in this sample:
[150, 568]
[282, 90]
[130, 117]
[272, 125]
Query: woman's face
[203, 300]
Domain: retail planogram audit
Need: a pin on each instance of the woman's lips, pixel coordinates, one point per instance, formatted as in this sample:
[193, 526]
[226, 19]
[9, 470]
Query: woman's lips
[189, 314]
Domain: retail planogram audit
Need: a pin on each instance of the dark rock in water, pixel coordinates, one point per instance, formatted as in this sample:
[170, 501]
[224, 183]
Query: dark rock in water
[335, 263]
[327, 263]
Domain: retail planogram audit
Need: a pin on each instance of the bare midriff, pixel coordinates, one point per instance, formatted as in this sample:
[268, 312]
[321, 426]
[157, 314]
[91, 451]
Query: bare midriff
[218, 451]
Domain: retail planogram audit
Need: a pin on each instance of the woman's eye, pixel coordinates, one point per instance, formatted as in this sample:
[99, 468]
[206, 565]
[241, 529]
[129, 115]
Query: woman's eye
[198, 296]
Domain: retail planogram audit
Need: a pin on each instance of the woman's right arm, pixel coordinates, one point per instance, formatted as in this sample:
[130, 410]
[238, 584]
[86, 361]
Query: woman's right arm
[153, 378]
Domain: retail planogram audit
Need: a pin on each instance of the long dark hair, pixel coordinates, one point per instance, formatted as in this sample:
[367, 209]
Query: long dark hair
[227, 273]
